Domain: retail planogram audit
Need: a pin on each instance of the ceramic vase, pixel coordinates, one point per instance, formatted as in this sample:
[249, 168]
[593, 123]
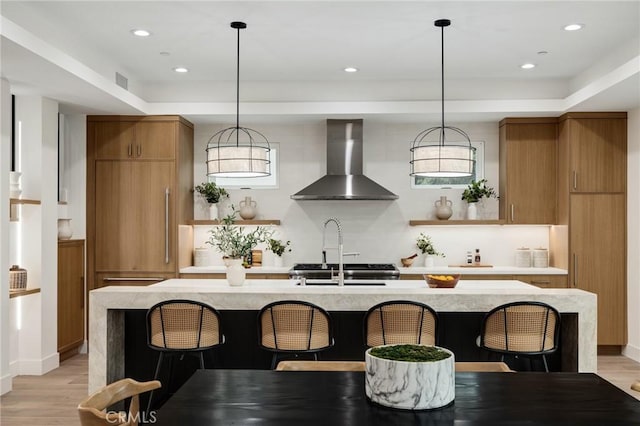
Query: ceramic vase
[277, 261]
[247, 208]
[236, 273]
[64, 229]
[213, 211]
[410, 385]
[472, 211]
[443, 208]
[429, 261]
[14, 185]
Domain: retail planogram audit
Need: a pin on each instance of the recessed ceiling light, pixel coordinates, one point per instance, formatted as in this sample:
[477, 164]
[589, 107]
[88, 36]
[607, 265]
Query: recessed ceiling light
[574, 27]
[527, 66]
[140, 33]
[181, 69]
[351, 69]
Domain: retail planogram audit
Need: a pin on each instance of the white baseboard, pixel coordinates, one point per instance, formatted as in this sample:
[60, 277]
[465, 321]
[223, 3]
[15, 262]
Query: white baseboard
[5, 384]
[14, 368]
[38, 367]
[631, 351]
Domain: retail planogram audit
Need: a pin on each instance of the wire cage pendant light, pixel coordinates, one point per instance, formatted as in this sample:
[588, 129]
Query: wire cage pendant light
[434, 157]
[238, 151]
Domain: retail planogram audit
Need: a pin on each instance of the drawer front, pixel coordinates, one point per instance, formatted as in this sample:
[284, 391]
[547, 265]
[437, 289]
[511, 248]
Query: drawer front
[544, 281]
[105, 279]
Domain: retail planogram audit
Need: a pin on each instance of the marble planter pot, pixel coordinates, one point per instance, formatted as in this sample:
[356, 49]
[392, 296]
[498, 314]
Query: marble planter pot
[410, 385]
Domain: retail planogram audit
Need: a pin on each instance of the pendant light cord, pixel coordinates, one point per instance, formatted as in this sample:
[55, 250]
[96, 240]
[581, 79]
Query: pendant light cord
[442, 81]
[238, 90]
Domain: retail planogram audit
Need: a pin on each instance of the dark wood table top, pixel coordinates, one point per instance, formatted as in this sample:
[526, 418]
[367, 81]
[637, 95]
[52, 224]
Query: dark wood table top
[302, 398]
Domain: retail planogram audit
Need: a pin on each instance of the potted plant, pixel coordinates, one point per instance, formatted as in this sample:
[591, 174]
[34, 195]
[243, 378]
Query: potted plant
[236, 243]
[476, 191]
[410, 377]
[425, 245]
[212, 193]
[278, 248]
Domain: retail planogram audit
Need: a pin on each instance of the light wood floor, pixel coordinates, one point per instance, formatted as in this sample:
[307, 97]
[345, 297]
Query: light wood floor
[52, 399]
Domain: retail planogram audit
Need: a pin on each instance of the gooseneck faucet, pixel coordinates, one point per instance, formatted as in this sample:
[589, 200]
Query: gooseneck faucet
[339, 247]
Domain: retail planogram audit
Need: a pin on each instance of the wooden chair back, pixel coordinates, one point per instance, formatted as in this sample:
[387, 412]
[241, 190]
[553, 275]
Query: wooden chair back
[93, 411]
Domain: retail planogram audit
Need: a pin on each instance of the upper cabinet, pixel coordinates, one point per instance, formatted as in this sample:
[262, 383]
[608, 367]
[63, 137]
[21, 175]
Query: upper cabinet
[129, 140]
[528, 170]
[594, 145]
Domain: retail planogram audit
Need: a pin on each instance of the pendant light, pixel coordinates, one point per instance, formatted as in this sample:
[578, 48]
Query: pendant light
[238, 151]
[439, 158]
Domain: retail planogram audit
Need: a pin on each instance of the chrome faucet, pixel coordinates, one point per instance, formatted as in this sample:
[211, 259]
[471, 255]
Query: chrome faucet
[341, 253]
[339, 247]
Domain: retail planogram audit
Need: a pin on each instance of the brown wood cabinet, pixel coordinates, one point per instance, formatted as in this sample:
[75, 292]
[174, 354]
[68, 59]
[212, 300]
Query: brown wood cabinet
[544, 281]
[598, 259]
[595, 153]
[591, 241]
[528, 170]
[139, 190]
[71, 297]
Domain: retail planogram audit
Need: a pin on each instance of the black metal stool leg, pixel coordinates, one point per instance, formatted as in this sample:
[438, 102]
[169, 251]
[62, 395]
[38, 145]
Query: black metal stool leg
[201, 360]
[155, 377]
[274, 358]
[546, 367]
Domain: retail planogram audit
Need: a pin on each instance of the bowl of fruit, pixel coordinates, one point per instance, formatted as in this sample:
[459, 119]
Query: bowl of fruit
[442, 281]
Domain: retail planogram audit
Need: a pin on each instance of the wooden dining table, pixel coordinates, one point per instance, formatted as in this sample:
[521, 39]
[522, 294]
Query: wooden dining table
[305, 398]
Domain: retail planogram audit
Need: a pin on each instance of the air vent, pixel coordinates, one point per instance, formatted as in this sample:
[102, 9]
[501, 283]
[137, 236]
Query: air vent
[122, 81]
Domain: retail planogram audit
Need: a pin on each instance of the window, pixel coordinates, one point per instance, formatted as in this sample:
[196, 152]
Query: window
[423, 182]
[266, 182]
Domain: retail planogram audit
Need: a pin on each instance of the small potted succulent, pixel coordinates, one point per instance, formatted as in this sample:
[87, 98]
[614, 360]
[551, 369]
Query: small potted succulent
[410, 377]
[425, 245]
[475, 192]
[278, 247]
[212, 194]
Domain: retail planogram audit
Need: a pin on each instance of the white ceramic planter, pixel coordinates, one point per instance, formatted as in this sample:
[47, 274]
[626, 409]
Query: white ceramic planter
[236, 273]
[410, 385]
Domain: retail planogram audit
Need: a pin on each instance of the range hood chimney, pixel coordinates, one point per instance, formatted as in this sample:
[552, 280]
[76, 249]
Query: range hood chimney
[344, 179]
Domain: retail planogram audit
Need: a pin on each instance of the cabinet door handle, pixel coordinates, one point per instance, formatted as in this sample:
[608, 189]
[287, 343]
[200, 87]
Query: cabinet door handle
[129, 150]
[166, 225]
[540, 282]
[512, 213]
[139, 150]
[575, 270]
[132, 279]
[575, 180]
[81, 292]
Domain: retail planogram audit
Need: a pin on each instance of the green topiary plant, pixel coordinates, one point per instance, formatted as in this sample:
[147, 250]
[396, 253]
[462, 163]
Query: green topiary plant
[478, 190]
[426, 246]
[211, 192]
[278, 247]
[410, 353]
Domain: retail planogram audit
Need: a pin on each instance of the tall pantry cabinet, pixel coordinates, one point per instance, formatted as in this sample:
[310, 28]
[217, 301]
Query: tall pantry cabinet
[592, 202]
[139, 189]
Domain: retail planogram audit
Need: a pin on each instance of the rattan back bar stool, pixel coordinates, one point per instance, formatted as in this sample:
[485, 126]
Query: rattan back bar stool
[294, 327]
[527, 329]
[182, 327]
[400, 321]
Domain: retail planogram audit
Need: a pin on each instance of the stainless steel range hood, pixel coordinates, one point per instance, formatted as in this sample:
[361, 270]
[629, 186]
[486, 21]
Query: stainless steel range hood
[344, 179]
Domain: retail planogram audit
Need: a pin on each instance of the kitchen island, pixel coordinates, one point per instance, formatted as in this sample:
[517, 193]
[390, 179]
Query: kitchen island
[114, 309]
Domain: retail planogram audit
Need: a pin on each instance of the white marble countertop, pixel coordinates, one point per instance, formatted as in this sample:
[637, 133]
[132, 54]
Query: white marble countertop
[495, 270]
[107, 306]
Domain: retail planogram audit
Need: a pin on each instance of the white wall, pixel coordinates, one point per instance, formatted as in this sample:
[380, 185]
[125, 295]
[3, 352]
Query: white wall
[5, 143]
[633, 236]
[379, 230]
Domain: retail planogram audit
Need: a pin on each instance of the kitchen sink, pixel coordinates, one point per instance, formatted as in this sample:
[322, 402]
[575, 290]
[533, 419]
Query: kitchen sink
[346, 283]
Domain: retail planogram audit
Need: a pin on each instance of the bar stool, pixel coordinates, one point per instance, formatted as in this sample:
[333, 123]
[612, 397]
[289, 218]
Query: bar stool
[400, 321]
[527, 329]
[182, 327]
[294, 327]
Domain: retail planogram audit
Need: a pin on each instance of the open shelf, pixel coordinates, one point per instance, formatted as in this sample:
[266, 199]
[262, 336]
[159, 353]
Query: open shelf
[236, 222]
[20, 293]
[23, 201]
[457, 222]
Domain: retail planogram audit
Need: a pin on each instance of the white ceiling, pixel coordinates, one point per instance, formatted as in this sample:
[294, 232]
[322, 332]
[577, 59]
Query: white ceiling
[293, 54]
